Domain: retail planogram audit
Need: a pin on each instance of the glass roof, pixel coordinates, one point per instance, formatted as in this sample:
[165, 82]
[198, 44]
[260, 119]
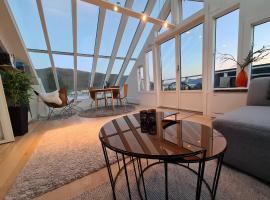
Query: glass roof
[58, 18]
[59, 23]
[86, 29]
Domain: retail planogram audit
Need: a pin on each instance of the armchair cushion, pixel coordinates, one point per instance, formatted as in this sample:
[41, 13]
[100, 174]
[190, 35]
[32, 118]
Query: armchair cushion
[51, 97]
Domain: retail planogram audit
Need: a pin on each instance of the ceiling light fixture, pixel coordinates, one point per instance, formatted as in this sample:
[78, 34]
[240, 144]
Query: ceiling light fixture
[165, 25]
[115, 8]
[144, 18]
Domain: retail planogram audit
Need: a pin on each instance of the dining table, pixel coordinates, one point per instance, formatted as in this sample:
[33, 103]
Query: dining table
[105, 91]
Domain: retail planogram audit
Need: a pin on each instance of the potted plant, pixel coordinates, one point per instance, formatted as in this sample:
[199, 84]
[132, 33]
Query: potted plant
[16, 86]
[253, 56]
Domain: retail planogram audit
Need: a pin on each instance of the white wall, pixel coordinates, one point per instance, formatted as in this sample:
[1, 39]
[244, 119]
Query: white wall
[208, 100]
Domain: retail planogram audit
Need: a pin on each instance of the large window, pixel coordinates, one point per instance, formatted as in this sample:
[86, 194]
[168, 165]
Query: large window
[42, 64]
[191, 58]
[115, 71]
[140, 78]
[190, 7]
[227, 28]
[167, 62]
[261, 38]
[65, 67]
[127, 72]
[84, 66]
[100, 74]
[149, 68]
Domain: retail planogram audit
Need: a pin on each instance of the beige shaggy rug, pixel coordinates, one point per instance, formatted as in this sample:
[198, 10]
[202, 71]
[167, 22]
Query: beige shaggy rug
[63, 155]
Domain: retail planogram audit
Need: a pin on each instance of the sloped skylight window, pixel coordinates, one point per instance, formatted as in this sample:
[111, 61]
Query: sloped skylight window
[64, 66]
[115, 71]
[100, 74]
[110, 28]
[190, 7]
[42, 64]
[156, 10]
[28, 21]
[142, 40]
[139, 5]
[128, 35]
[58, 17]
[87, 26]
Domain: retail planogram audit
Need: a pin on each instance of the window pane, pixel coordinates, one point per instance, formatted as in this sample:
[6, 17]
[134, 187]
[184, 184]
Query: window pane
[115, 71]
[142, 40]
[169, 20]
[167, 61]
[140, 78]
[261, 38]
[127, 72]
[84, 67]
[191, 58]
[190, 7]
[100, 74]
[110, 29]
[58, 19]
[64, 68]
[150, 71]
[128, 35]
[226, 43]
[28, 21]
[42, 64]
[87, 26]
[139, 5]
[156, 10]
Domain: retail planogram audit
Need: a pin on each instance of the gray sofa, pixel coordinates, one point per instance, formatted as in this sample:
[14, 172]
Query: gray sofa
[247, 131]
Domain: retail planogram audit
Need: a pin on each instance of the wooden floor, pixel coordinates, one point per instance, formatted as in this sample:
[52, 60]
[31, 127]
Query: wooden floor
[13, 156]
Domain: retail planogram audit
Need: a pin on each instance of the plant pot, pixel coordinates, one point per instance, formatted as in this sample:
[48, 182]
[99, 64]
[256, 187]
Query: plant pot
[19, 120]
[241, 79]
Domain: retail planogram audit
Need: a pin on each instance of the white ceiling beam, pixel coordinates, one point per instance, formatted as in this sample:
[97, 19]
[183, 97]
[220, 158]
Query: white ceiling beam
[101, 18]
[74, 31]
[117, 42]
[128, 12]
[135, 40]
[46, 36]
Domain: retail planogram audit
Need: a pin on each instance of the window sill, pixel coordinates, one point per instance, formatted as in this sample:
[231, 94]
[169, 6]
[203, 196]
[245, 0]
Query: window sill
[237, 89]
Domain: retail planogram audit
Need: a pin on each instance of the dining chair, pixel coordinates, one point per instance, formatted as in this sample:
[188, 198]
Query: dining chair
[124, 97]
[95, 98]
[115, 94]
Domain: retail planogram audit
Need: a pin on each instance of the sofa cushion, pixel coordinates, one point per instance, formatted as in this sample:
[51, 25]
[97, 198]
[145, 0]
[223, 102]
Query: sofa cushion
[258, 92]
[248, 118]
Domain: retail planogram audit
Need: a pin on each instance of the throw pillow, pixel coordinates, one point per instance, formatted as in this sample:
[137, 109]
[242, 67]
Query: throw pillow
[51, 97]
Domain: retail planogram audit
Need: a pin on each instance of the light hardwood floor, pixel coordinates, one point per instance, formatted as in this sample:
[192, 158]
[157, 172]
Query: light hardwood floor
[13, 156]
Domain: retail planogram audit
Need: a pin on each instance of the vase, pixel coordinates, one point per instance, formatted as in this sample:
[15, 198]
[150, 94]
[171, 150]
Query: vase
[241, 79]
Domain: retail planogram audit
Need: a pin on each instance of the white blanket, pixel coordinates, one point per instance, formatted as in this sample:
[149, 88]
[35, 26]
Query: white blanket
[51, 97]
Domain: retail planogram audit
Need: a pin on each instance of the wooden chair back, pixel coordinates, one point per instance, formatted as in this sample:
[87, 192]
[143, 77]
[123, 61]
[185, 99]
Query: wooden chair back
[63, 96]
[125, 90]
[116, 93]
[92, 93]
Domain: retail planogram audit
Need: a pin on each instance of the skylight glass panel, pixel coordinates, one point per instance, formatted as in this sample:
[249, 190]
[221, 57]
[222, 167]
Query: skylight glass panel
[139, 5]
[156, 10]
[65, 66]
[190, 7]
[128, 35]
[110, 29]
[87, 26]
[127, 72]
[115, 71]
[84, 67]
[100, 74]
[58, 17]
[28, 21]
[122, 2]
[41, 62]
[142, 40]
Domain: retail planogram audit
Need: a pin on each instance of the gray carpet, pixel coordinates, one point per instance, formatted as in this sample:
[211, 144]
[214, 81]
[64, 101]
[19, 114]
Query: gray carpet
[233, 185]
[107, 111]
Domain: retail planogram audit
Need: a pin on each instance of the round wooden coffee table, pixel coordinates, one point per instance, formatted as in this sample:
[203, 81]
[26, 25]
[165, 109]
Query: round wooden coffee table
[176, 142]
